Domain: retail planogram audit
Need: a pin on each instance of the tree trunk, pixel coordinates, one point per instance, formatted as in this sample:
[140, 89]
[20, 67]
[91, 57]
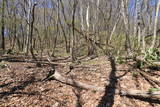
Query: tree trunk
[3, 26]
[31, 32]
[155, 25]
[28, 13]
[88, 37]
[73, 54]
[126, 23]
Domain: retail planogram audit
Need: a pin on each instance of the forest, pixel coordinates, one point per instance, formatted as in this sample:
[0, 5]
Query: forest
[80, 53]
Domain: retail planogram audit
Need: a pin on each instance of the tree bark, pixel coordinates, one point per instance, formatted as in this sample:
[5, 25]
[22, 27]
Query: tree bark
[126, 23]
[3, 26]
[155, 25]
[31, 31]
[73, 42]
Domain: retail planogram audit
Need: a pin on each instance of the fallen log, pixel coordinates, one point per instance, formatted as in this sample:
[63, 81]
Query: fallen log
[57, 76]
[29, 60]
[134, 93]
[156, 80]
[149, 63]
[141, 59]
[143, 94]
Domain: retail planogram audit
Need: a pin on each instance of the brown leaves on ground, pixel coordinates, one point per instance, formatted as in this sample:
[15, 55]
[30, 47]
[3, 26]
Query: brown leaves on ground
[21, 85]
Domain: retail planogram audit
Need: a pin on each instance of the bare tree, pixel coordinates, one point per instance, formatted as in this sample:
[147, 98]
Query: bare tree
[3, 25]
[78, 25]
[155, 25]
[31, 30]
[126, 23]
[73, 40]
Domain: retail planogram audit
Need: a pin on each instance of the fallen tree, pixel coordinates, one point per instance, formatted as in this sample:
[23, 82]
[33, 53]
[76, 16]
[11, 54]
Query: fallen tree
[149, 63]
[142, 94]
[156, 80]
[69, 81]
[28, 59]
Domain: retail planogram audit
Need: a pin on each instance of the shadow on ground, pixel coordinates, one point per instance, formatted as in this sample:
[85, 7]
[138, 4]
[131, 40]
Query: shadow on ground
[18, 88]
[108, 98]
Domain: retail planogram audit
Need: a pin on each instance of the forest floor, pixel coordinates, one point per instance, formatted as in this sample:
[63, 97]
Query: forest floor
[21, 85]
